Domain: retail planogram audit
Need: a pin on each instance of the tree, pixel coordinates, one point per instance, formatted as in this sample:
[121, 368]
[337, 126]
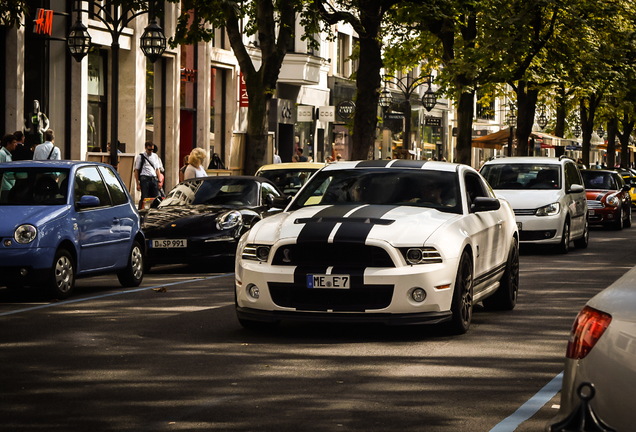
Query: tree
[273, 22]
[12, 12]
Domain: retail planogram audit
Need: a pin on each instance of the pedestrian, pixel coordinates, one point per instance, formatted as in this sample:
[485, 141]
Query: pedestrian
[299, 153]
[329, 160]
[183, 168]
[8, 145]
[338, 157]
[147, 173]
[162, 171]
[195, 168]
[277, 158]
[48, 150]
[21, 152]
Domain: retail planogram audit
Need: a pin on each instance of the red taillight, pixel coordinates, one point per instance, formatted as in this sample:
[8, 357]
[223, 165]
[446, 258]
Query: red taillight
[588, 328]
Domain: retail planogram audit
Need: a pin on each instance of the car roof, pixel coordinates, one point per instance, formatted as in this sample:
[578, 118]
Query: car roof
[51, 163]
[292, 166]
[394, 163]
[527, 160]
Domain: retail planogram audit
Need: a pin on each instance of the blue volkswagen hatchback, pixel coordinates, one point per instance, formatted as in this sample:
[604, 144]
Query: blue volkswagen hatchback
[61, 220]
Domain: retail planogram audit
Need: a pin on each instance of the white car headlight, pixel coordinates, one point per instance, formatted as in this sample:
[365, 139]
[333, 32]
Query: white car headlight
[229, 220]
[613, 201]
[255, 252]
[25, 234]
[421, 255]
[549, 210]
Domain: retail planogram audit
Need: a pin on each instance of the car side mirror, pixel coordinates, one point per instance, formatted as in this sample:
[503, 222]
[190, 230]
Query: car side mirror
[626, 188]
[269, 201]
[481, 204]
[281, 202]
[87, 201]
[576, 188]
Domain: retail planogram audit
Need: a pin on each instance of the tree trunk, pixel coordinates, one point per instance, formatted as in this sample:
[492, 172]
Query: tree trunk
[628, 128]
[367, 83]
[561, 112]
[255, 150]
[526, 105]
[587, 114]
[465, 111]
[612, 128]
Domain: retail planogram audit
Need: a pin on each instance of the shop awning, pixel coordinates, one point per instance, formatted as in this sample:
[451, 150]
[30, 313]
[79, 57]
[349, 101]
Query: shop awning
[493, 141]
[548, 140]
[617, 148]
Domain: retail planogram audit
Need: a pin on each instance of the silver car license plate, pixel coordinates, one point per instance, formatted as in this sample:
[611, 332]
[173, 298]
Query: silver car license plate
[328, 281]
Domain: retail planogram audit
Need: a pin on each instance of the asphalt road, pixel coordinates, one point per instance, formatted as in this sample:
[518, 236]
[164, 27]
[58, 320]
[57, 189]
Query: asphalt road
[171, 356]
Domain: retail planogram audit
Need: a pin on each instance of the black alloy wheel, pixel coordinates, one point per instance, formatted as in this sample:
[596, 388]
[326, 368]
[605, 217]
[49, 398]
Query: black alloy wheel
[564, 246]
[505, 298]
[462, 305]
[583, 241]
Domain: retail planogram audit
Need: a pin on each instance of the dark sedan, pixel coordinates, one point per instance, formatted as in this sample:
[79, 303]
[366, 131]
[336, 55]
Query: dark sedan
[608, 199]
[203, 218]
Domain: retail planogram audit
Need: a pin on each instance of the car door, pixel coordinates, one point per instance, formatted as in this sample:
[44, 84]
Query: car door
[576, 201]
[98, 227]
[485, 228]
[128, 218]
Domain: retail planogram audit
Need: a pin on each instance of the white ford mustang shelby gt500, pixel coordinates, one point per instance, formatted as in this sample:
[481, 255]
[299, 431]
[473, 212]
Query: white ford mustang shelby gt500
[392, 241]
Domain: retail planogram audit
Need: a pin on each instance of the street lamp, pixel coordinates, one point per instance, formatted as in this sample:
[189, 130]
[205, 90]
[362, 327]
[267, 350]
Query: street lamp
[542, 120]
[407, 85]
[115, 18]
[429, 100]
[600, 131]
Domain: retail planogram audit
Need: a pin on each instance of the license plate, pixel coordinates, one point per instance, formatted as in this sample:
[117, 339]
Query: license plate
[590, 212]
[169, 243]
[519, 226]
[328, 281]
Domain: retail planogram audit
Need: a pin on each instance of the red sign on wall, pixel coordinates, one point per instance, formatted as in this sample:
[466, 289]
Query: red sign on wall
[243, 100]
[43, 22]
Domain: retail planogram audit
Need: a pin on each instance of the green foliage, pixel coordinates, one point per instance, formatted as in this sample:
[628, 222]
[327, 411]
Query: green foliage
[12, 12]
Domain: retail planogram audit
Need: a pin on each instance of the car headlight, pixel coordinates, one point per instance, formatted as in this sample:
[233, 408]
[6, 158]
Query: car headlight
[421, 255]
[613, 201]
[256, 252]
[549, 210]
[229, 220]
[25, 234]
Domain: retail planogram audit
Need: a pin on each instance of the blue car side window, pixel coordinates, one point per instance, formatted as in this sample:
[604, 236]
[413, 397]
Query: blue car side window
[89, 182]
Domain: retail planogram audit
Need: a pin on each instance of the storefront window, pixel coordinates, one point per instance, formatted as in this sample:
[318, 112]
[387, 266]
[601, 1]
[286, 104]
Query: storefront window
[150, 100]
[97, 101]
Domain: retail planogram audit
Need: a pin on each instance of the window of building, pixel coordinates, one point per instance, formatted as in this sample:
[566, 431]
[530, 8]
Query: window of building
[97, 100]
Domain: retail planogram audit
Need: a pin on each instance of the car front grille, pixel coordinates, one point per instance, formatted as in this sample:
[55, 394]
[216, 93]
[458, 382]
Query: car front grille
[594, 204]
[525, 212]
[356, 299]
[332, 254]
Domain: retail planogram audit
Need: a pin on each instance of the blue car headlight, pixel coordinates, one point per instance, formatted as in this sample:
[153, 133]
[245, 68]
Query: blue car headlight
[25, 234]
[549, 210]
[229, 220]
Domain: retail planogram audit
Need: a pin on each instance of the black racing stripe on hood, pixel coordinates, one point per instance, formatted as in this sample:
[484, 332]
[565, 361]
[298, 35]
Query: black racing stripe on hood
[356, 232]
[373, 163]
[319, 232]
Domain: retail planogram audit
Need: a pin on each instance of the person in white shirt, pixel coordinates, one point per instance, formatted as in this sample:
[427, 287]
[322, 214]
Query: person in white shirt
[195, 168]
[147, 173]
[48, 150]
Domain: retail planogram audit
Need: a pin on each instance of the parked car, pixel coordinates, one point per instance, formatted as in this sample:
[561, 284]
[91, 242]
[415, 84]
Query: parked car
[62, 220]
[548, 198]
[601, 351]
[608, 199]
[630, 178]
[203, 218]
[390, 241]
[289, 177]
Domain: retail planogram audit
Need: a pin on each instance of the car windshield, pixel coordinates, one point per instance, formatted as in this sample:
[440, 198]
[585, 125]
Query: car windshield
[288, 180]
[213, 191]
[33, 186]
[408, 187]
[598, 180]
[523, 176]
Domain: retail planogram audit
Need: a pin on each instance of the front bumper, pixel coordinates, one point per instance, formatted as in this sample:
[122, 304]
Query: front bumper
[197, 249]
[541, 229]
[25, 264]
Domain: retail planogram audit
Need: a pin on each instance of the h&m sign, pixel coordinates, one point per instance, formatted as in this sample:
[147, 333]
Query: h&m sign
[43, 22]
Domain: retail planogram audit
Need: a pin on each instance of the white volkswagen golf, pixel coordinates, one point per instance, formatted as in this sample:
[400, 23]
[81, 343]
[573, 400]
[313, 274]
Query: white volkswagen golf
[391, 241]
[548, 198]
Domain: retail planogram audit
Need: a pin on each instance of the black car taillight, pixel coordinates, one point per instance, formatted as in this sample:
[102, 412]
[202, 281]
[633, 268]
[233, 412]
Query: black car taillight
[589, 326]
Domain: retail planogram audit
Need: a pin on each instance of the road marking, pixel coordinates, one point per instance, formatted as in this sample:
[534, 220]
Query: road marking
[531, 407]
[66, 302]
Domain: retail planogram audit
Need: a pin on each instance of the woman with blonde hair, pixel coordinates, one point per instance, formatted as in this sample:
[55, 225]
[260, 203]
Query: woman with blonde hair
[195, 167]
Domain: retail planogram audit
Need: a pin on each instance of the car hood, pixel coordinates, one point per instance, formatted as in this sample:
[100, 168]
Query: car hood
[399, 226]
[529, 198]
[14, 216]
[183, 216]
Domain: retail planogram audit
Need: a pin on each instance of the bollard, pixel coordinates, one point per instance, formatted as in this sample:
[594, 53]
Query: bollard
[583, 418]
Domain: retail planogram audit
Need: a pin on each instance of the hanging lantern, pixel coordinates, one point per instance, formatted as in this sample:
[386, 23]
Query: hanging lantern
[429, 100]
[577, 131]
[78, 40]
[153, 41]
[385, 98]
[600, 131]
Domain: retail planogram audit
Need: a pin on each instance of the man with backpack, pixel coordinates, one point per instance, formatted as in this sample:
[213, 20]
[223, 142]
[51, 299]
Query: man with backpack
[47, 151]
[147, 173]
